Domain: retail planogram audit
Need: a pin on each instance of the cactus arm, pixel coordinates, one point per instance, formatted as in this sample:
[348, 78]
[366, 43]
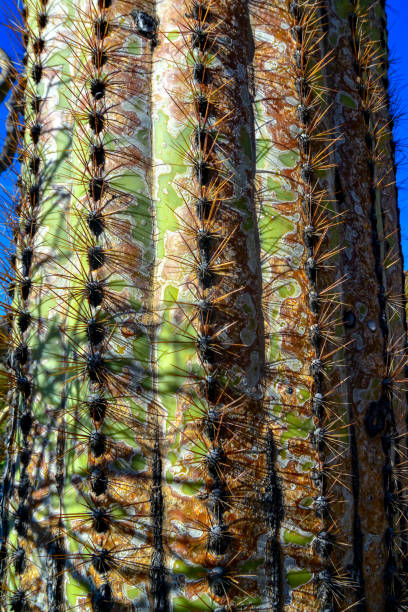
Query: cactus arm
[10, 144]
[7, 80]
[8, 74]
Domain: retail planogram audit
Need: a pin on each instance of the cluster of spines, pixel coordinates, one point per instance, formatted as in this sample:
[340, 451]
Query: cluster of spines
[327, 434]
[228, 413]
[205, 170]
[273, 509]
[286, 487]
[39, 175]
[17, 352]
[95, 326]
[380, 419]
[27, 207]
[85, 302]
[90, 299]
[200, 41]
[116, 277]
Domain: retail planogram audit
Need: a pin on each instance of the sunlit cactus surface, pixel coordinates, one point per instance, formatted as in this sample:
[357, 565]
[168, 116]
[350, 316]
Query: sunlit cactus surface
[204, 337]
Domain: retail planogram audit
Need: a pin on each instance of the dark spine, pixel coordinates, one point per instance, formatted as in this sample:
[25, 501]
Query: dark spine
[158, 573]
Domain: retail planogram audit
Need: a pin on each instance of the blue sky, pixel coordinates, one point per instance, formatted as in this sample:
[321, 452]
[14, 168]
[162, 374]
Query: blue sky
[397, 30]
[397, 26]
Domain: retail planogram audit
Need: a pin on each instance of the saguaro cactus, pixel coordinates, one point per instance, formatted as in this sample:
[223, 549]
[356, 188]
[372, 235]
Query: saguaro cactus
[205, 322]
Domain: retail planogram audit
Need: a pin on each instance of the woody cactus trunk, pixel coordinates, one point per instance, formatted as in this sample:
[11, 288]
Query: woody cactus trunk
[205, 323]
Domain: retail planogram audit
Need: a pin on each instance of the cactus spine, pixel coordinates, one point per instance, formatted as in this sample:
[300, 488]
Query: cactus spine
[206, 326]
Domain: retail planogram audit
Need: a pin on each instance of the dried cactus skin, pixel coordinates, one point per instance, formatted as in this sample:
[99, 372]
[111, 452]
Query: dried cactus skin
[206, 342]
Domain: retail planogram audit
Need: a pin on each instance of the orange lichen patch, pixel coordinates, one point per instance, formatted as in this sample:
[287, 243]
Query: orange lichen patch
[128, 329]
